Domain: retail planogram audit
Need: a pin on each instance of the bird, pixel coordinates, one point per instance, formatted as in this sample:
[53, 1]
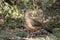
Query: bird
[34, 24]
[49, 29]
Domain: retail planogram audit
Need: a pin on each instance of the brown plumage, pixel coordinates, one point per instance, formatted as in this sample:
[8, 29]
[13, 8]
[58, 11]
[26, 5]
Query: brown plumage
[31, 24]
[34, 25]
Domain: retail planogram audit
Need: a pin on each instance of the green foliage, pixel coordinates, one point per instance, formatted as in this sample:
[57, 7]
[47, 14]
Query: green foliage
[21, 5]
[13, 15]
[58, 25]
[21, 34]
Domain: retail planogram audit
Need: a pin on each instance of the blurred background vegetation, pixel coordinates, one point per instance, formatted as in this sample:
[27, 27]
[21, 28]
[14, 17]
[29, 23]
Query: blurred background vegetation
[12, 13]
